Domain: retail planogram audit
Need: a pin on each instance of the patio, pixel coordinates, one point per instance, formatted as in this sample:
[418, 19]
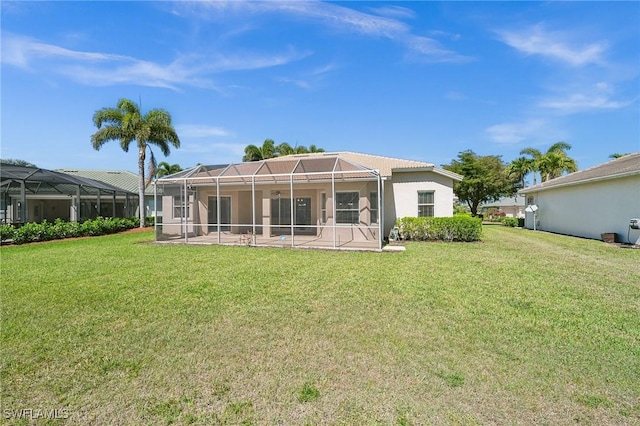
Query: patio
[324, 202]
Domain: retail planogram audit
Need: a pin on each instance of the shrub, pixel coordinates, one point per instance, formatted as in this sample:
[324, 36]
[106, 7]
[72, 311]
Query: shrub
[60, 229]
[510, 221]
[6, 232]
[456, 228]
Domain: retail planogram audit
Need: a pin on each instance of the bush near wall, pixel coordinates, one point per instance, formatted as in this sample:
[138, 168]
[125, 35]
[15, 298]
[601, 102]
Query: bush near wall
[46, 231]
[456, 228]
[510, 221]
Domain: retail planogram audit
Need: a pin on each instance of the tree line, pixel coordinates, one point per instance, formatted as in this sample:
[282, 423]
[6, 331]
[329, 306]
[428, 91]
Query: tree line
[488, 178]
[269, 149]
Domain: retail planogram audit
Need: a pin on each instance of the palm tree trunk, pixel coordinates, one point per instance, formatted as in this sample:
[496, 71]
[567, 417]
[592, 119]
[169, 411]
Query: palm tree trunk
[141, 158]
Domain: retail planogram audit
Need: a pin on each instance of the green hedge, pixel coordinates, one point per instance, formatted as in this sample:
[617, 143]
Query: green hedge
[45, 231]
[456, 228]
[510, 221]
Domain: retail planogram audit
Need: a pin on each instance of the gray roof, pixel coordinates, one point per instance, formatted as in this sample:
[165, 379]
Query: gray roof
[41, 181]
[121, 178]
[628, 165]
[516, 200]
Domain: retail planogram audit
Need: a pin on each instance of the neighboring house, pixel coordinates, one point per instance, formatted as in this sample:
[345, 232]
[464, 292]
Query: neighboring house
[122, 179]
[32, 194]
[507, 206]
[341, 199]
[588, 203]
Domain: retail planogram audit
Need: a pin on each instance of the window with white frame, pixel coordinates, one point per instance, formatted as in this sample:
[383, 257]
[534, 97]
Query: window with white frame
[373, 206]
[348, 207]
[425, 203]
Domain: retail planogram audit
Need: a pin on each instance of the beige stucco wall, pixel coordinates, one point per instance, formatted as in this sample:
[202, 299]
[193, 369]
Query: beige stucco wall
[401, 195]
[589, 209]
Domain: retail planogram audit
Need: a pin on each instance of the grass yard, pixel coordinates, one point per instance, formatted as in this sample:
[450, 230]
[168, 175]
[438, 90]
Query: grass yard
[524, 328]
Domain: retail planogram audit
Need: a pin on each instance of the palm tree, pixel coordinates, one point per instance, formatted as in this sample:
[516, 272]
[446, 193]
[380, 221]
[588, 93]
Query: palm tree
[519, 169]
[257, 153]
[556, 163]
[286, 149]
[125, 123]
[269, 150]
[166, 169]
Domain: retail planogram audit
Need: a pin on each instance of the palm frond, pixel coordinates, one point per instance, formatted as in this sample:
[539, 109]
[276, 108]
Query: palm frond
[152, 169]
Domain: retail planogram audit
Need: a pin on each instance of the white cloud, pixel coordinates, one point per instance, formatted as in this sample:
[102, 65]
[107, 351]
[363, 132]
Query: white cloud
[579, 102]
[103, 69]
[397, 12]
[515, 132]
[22, 51]
[339, 18]
[599, 96]
[559, 45]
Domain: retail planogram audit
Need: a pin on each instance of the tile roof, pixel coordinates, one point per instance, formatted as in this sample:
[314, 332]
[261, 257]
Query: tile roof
[386, 165]
[121, 178]
[620, 167]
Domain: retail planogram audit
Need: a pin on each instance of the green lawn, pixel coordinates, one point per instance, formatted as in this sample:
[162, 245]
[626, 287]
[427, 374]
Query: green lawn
[522, 328]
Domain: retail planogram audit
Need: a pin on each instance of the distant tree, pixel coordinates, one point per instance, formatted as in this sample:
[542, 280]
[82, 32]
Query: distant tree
[485, 179]
[286, 149]
[617, 155]
[552, 163]
[166, 169]
[16, 162]
[519, 169]
[125, 123]
[257, 153]
[270, 150]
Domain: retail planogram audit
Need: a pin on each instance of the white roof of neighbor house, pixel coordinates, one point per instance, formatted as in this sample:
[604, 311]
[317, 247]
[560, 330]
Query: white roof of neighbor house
[515, 200]
[121, 178]
[628, 165]
[385, 165]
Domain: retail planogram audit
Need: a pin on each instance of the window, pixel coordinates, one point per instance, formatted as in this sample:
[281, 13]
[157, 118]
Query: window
[180, 207]
[373, 206]
[425, 204]
[347, 207]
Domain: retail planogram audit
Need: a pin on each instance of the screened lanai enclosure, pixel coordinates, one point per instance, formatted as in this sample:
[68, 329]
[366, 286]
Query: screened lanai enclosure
[325, 202]
[31, 194]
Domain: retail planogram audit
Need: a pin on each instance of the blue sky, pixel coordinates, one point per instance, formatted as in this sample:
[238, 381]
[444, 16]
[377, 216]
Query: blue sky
[415, 80]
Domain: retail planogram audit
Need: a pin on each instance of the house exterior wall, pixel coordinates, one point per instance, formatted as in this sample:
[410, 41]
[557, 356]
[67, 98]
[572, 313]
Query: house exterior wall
[588, 209]
[401, 195]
